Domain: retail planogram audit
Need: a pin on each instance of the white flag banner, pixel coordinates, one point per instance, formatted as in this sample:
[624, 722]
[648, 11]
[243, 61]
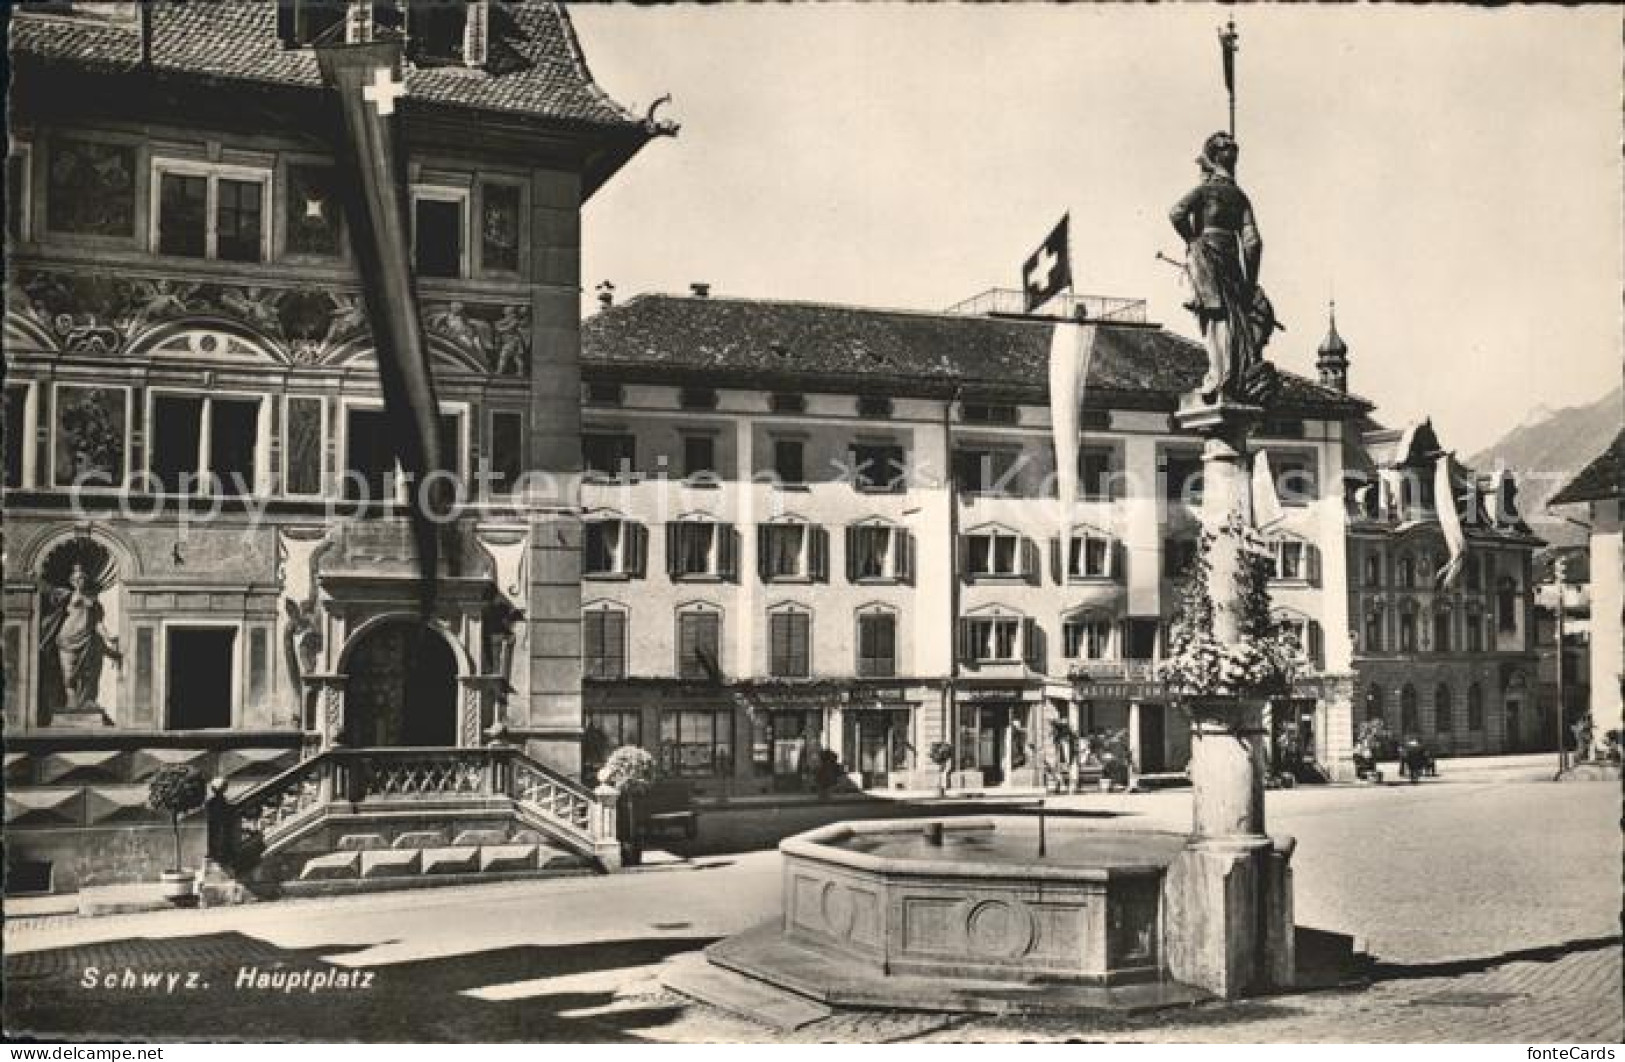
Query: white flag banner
[1444, 500]
[1071, 348]
[1266, 502]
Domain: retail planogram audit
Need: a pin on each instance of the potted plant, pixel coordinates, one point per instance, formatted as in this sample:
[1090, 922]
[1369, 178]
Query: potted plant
[630, 770]
[177, 790]
[942, 754]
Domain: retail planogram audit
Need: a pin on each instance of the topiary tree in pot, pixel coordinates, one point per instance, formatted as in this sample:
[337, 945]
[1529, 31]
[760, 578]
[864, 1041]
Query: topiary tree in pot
[177, 790]
[632, 771]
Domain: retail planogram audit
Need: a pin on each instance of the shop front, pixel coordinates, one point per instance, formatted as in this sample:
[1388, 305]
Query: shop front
[997, 734]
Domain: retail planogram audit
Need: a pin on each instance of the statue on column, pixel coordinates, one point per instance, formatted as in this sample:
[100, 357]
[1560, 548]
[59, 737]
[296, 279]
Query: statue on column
[75, 629]
[1223, 254]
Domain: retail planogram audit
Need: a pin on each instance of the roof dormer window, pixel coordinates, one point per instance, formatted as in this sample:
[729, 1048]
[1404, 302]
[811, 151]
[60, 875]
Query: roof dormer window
[445, 32]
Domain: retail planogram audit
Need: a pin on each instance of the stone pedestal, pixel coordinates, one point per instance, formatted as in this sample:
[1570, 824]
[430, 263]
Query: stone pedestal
[1227, 899]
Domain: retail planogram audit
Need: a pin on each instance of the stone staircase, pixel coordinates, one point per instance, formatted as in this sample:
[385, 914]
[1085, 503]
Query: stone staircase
[415, 858]
[358, 820]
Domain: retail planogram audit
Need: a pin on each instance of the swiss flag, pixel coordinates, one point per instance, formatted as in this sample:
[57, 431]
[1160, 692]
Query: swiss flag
[1049, 270]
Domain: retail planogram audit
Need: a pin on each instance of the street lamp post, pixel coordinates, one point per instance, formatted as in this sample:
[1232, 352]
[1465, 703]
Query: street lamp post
[1560, 569]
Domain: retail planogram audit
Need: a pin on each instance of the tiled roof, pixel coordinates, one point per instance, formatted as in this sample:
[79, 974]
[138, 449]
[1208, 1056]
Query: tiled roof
[535, 65]
[815, 345]
[1602, 478]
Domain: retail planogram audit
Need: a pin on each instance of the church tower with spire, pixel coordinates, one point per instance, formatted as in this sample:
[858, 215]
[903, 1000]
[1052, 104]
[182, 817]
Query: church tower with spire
[1333, 359]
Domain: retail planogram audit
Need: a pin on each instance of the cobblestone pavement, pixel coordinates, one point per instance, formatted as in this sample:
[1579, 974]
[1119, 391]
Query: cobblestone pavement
[1491, 911]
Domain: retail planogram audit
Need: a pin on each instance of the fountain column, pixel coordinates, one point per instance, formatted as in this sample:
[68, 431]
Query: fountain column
[1227, 893]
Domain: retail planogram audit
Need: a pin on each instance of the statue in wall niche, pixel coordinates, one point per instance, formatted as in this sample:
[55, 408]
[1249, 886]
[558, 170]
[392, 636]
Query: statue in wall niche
[1223, 255]
[301, 650]
[75, 630]
[513, 341]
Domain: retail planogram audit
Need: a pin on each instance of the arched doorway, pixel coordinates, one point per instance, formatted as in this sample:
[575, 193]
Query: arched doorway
[402, 688]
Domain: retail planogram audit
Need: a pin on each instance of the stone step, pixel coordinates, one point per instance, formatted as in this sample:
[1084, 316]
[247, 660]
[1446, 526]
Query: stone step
[391, 863]
[450, 859]
[362, 842]
[332, 866]
[421, 839]
[481, 837]
[500, 858]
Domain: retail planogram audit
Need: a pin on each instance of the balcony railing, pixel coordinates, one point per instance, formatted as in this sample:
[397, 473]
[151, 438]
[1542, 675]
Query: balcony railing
[1066, 307]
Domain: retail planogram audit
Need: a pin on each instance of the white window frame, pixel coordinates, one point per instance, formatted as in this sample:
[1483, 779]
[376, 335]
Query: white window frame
[1017, 654]
[444, 193]
[129, 428]
[894, 542]
[213, 171]
[262, 438]
[1078, 550]
[326, 434]
[28, 436]
[619, 568]
[239, 677]
[993, 572]
[1279, 549]
[803, 572]
[463, 411]
[713, 566]
[1081, 622]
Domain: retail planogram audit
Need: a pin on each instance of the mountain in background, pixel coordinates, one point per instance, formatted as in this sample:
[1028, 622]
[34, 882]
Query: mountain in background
[1546, 451]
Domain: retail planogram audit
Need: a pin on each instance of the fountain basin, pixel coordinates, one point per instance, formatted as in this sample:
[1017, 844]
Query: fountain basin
[982, 905]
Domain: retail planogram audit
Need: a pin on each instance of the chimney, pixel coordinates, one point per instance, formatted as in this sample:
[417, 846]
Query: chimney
[700, 289]
[606, 294]
[143, 14]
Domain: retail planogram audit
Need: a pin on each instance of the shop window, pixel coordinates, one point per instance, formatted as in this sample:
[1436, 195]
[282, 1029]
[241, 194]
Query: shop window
[700, 549]
[789, 644]
[210, 211]
[90, 188]
[606, 731]
[439, 222]
[184, 458]
[782, 746]
[609, 456]
[791, 551]
[201, 677]
[614, 549]
[603, 644]
[699, 646]
[879, 552]
[696, 743]
[877, 645]
[879, 468]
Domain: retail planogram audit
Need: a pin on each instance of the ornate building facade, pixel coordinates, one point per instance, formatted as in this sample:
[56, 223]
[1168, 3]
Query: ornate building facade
[203, 564]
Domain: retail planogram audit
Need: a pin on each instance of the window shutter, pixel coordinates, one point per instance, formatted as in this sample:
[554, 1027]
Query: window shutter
[674, 562]
[778, 643]
[965, 654]
[1032, 644]
[1311, 559]
[851, 554]
[1031, 567]
[592, 638]
[818, 553]
[763, 570]
[637, 550]
[1057, 569]
[686, 634]
[903, 543]
[1317, 645]
[727, 551]
[962, 548]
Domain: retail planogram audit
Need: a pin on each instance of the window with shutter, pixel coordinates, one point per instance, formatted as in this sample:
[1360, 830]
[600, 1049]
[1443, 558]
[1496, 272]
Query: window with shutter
[998, 554]
[699, 639]
[877, 645]
[603, 637]
[790, 644]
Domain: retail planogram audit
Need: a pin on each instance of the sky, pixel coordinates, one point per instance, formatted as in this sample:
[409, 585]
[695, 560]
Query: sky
[1451, 175]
